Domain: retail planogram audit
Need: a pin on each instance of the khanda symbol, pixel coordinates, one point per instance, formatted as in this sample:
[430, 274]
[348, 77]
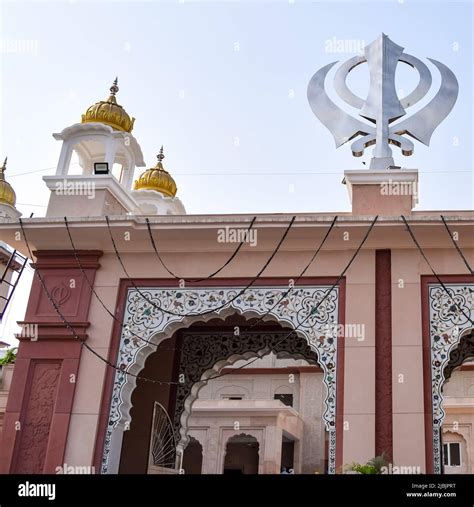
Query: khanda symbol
[382, 106]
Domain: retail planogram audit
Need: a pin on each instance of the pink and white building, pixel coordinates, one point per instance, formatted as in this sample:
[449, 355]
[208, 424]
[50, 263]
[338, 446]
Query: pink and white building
[344, 367]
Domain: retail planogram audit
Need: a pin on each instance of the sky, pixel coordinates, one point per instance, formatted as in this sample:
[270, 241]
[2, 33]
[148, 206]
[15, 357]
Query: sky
[222, 85]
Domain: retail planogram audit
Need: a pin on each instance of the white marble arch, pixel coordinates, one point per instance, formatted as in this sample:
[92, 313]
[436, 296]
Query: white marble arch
[449, 324]
[144, 319]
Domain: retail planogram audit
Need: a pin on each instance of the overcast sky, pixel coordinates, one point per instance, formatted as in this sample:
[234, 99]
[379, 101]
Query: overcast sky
[222, 85]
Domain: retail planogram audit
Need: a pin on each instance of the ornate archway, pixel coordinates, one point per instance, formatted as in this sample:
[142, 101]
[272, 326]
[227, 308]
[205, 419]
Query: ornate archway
[317, 329]
[451, 342]
[210, 352]
[242, 452]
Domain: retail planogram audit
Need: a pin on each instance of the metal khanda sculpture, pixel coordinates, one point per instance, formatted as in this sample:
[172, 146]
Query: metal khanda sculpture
[382, 106]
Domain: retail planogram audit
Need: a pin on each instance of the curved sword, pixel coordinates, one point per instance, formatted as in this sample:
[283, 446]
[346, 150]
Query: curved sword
[341, 125]
[422, 124]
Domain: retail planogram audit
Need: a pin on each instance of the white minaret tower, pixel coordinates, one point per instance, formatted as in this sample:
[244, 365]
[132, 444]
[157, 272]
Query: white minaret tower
[108, 154]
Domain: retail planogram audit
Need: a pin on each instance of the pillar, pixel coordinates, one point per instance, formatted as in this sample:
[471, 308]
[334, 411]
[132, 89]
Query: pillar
[270, 452]
[39, 406]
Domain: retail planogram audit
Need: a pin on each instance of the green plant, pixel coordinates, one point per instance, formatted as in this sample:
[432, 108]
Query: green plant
[379, 462]
[372, 467]
[364, 469]
[9, 357]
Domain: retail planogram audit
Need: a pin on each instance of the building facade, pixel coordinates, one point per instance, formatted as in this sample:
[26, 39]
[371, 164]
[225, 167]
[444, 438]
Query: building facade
[277, 402]
[138, 305]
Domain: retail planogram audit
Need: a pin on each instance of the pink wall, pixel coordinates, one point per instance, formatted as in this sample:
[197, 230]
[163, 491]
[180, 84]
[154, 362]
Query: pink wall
[191, 250]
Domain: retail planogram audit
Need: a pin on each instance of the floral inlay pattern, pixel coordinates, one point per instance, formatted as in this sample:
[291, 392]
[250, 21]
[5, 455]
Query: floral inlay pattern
[449, 319]
[296, 310]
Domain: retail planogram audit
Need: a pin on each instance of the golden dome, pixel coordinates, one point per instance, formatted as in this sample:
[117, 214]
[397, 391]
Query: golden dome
[109, 112]
[7, 194]
[157, 178]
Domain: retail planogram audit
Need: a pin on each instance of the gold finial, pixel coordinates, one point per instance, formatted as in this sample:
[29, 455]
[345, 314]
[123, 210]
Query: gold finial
[109, 112]
[3, 169]
[157, 178]
[113, 91]
[114, 88]
[160, 155]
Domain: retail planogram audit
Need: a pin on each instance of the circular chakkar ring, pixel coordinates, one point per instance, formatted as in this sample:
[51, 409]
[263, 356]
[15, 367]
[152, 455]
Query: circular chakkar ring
[354, 100]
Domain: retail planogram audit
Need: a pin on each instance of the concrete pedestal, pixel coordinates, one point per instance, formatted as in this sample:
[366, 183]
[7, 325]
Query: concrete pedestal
[382, 192]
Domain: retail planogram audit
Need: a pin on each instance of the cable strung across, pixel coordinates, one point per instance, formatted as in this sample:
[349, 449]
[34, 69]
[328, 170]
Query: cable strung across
[196, 280]
[313, 311]
[159, 382]
[70, 326]
[455, 243]
[104, 306]
[433, 271]
[284, 295]
[212, 310]
[262, 317]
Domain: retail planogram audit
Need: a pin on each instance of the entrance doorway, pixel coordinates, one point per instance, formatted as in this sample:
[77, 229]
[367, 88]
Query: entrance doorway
[192, 457]
[287, 454]
[241, 455]
[457, 440]
[270, 392]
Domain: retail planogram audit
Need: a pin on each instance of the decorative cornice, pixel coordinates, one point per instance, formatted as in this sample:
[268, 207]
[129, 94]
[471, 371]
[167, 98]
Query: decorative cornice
[362, 177]
[272, 408]
[265, 371]
[98, 182]
[378, 177]
[53, 259]
[51, 331]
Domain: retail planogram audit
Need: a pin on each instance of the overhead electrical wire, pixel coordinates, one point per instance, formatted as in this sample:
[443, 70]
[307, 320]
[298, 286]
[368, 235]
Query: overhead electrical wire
[196, 280]
[82, 342]
[212, 310]
[433, 271]
[70, 326]
[291, 287]
[312, 312]
[256, 172]
[125, 372]
[455, 243]
[258, 356]
[140, 377]
[122, 325]
[91, 286]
